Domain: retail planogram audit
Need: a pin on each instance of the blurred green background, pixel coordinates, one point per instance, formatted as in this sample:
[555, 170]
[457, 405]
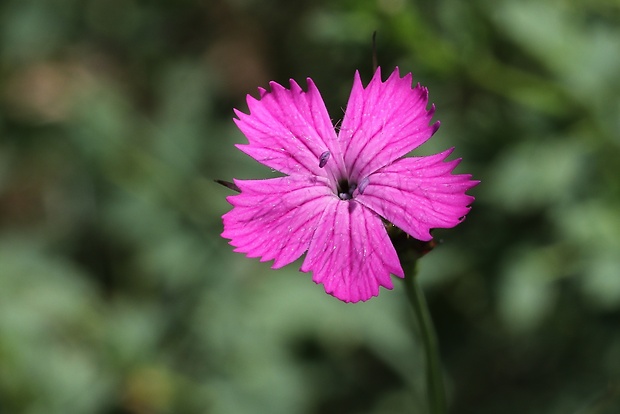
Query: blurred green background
[117, 294]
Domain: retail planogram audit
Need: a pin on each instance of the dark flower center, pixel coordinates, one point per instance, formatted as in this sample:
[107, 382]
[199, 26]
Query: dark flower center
[345, 189]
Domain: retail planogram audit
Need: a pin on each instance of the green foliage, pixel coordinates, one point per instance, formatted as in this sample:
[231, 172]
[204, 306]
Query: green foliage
[117, 294]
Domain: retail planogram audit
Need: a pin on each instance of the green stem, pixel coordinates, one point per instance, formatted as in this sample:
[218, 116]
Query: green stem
[434, 379]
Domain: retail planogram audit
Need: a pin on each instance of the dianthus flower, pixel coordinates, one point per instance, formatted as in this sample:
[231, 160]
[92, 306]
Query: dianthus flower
[340, 182]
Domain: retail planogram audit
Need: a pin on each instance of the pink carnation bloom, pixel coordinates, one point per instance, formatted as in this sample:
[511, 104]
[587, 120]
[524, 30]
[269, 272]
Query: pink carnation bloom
[339, 185]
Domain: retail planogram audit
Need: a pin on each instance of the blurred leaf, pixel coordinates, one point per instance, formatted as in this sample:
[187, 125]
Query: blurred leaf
[534, 174]
[50, 330]
[527, 293]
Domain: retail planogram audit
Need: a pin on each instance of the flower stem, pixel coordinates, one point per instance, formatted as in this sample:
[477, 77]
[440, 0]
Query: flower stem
[434, 379]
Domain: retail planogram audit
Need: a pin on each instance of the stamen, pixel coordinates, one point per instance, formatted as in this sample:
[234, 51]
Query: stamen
[344, 196]
[323, 159]
[363, 184]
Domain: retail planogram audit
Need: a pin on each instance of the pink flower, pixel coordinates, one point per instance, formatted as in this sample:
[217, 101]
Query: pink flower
[338, 186]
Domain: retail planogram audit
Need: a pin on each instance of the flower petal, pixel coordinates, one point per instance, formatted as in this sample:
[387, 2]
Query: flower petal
[383, 122]
[289, 129]
[351, 253]
[275, 219]
[419, 193]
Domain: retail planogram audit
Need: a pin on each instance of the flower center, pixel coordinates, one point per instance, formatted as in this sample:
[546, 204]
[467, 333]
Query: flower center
[345, 189]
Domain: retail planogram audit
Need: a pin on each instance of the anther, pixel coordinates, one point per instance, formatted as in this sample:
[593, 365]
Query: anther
[363, 184]
[323, 159]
